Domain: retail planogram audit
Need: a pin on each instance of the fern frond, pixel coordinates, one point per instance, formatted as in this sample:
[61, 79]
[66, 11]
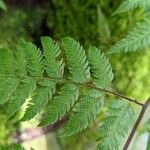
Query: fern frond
[53, 66]
[76, 60]
[31, 78]
[138, 38]
[34, 59]
[119, 119]
[84, 114]
[61, 104]
[6, 62]
[20, 95]
[7, 87]
[100, 68]
[42, 95]
[7, 84]
[129, 5]
[20, 58]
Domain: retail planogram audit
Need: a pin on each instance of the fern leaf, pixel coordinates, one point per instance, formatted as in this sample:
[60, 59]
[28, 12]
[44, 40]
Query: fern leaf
[7, 87]
[20, 58]
[100, 68]
[119, 118]
[23, 81]
[20, 95]
[138, 38]
[76, 60]
[54, 68]
[84, 114]
[61, 104]
[34, 59]
[6, 62]
[129, 5]
[42, 95]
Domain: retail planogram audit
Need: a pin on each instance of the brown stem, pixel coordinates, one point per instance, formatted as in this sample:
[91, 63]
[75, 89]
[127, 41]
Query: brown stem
[117, 94]
[144, 108]
[62, 80]
[33, 133]
[107, 91]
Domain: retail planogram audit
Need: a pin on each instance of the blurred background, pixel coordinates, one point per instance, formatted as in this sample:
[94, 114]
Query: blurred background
[90, 22]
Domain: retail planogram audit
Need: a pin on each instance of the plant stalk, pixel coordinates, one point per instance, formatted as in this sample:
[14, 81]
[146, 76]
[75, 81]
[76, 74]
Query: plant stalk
[143, 110]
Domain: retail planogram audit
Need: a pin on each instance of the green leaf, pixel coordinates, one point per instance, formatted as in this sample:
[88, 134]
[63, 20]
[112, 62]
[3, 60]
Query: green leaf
[102, 26]
[34, 59]
[115, 127]
[61, 104]
[84, 113]
[76, 60]
[128, 5]
[100, 68]
[12, 147]
[53, 66]
[17, 147]
[7, 87]
[20, 58]
[137, 38]
[42, 95]
[20, 95]
[27, 82]
[6, 62]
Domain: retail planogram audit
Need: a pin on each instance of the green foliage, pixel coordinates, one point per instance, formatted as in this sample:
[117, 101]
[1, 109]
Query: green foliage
[84, 20]
[148, 143]
[3, 5]
[54, 68]
[13, 25]
[65, 94]
[40, 98]
[34, 60]
[133, 71]
[119, 117]
[7, 67]
[6, 61]
[84, 113]
[61, 104]
[19, 96]
[100, 68]
[133, 68]
[6, 128]
[94, 26]
[20, 57]
[12, 147]
[145, 127]
[128, 5]
[50, 73]
[137, 38]
[79, 70]
[10, 85]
